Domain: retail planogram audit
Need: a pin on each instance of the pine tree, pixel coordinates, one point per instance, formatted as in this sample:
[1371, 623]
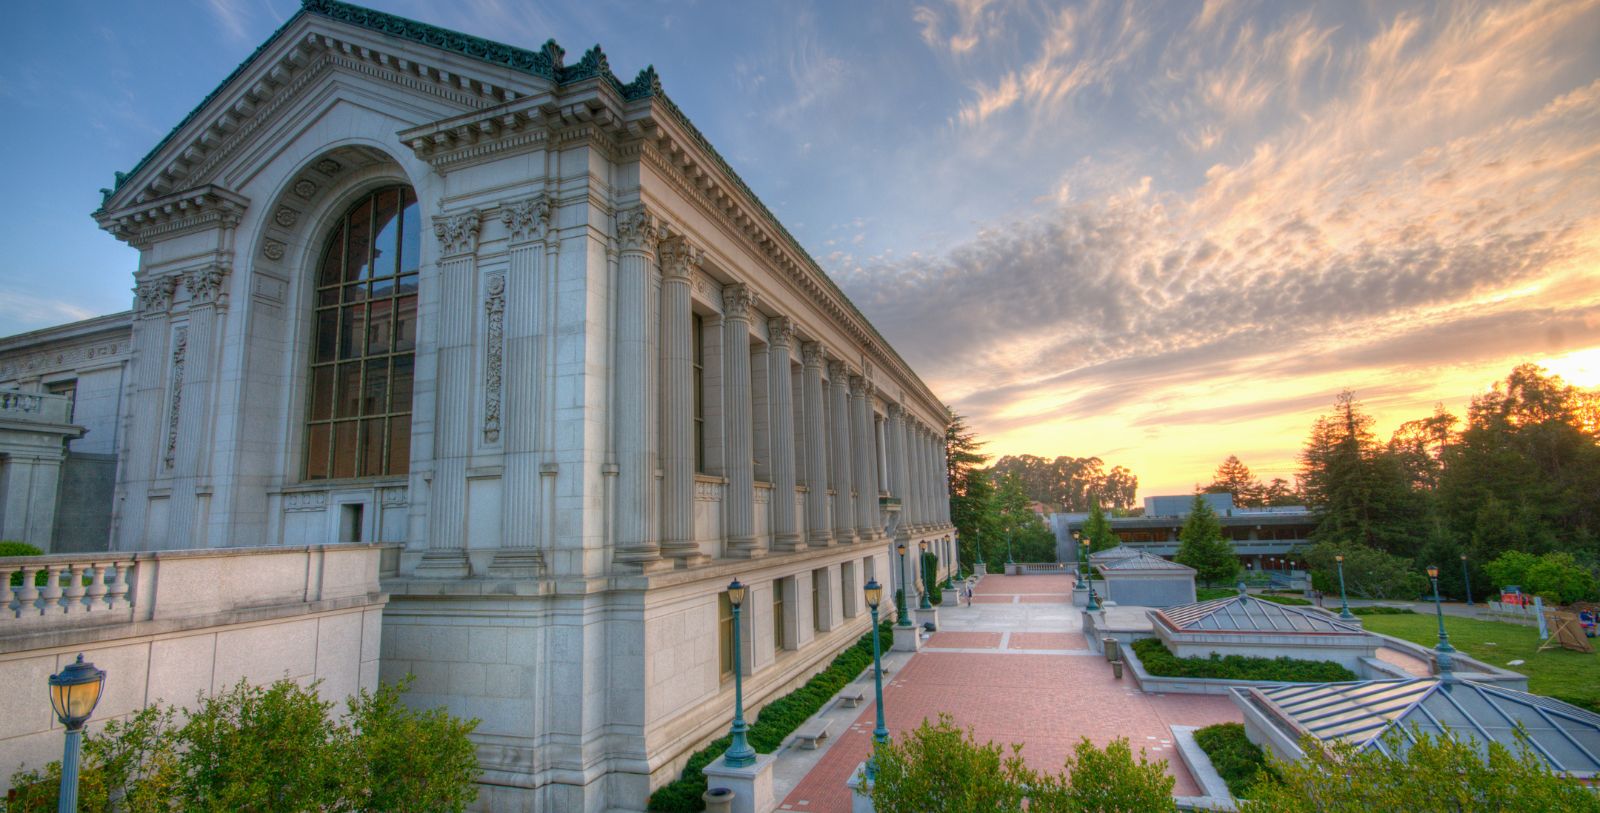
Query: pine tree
[1202, 546]
[1098, 530]
[1234, 477]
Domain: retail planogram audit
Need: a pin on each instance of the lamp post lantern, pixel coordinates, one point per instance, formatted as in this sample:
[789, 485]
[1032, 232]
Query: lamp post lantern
[1344, 604]
[1083, 563]
[880, 734]
[905, 584]
[922, 582]
[1442, 652]
[740, 754]
[1094, 603]
[1465, 581]
[74, 692]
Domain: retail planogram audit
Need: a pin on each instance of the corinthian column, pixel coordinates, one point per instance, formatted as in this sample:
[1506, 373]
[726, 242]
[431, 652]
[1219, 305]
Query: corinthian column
[677, 402]
[785, 530]
[819, 520]
[194, 358]
[897, 461]
[868, 525]
[739, 501]
[518, 296]
[844, 465]
[634, 390]
[446, 556]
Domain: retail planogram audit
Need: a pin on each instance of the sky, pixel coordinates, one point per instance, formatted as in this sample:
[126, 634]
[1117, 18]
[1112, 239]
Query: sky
[1157, 233]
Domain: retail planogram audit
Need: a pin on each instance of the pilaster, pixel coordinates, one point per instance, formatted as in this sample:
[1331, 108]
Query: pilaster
[785, 529]
[633, 388]
[678, 258]
[843, 464]
[446, 556]
[868, 527]
[819, 517]
[739, 499]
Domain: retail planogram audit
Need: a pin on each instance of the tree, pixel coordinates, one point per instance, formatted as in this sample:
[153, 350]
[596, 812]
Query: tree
[1098, 530]
[961, 447]
[1368, 573]
[1234, 477]
[1558, 577]
[1419, 446]
[1434, 773]
[1202, 546]
[1109, 781]
[1359, 492]
[1277, 492]
[1030, 539]
[972, 511]
[1071, 483]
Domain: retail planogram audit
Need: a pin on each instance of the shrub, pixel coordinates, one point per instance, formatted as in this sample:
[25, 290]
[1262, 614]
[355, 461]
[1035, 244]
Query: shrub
[1379, 609]
[267, 748]
[1238, 761]
[776, 722]
[1213, 593]
[1107, 781]
[1160, 662]
[1293, 601]
[13, 548]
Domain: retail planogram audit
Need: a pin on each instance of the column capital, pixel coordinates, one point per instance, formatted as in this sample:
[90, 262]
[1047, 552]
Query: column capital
[737, 301]
[813, 354]
[205, 286]
[527, 219]
[155, 295]
[679, 258]
[839, 371]
[780, 331]
[457, 233]
[860, 387]
[638, 230]
[895, 411]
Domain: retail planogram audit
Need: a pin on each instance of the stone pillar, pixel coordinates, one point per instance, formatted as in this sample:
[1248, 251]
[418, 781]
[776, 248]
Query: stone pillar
[446, 556]
[843, 482]
[518, 296]
[929, 466]
[142, 443]
[633, 391]
[942, 481]
[738, 502]
[28, 501]
[194, 363]
[914, 470]
[678, 258]
[785, 530]
[819, 519]
[896, 456]
[869, 525]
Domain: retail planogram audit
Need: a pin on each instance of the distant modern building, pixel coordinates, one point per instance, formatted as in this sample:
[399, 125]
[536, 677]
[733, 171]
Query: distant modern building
[515, 316]
[1264, 538]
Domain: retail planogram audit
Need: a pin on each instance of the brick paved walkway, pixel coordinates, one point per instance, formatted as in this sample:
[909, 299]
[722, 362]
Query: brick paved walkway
[1014, 667]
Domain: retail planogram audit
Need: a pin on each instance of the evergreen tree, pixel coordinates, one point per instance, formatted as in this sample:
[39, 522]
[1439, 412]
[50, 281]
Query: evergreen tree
[1098, 530]
[1234, 477]
[972, 511]
[1202, 546]
[1358, 490]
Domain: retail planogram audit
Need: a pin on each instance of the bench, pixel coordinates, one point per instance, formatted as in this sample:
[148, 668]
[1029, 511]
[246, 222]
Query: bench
[852, 698]
[808, 736]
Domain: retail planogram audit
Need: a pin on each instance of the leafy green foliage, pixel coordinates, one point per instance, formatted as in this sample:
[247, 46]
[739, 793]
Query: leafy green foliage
[13, 548]
[1097, 529]
[775, 723]
[1202, 547]
[1556, 576]
[1070, 483]
[939, 768]
[270, 748]
[1292, 601]
[1434, 774]
[1360, 492]
[1379, 609]
[1213, 593]
[1238, 761]
[1160, 662]
[1368, 572]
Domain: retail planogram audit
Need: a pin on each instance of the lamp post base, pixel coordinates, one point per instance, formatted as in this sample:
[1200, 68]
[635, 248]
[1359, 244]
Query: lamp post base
[907, 639]
[751, 785]
[860, 790]
[982, 569]
[928, 616]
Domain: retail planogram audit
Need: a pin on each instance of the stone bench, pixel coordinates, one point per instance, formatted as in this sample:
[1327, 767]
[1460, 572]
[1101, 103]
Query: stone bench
[808, 735]
[851, 698]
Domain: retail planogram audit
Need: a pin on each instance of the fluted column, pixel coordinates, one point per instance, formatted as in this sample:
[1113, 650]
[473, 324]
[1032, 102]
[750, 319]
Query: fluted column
[925, 475]
[896, 432]
[739, 501]
[868, 524]
[458, 247]
[785, 530]
[914, 472]
[518, 296]
[843, 464]
[819, 519]
[194, 359]
[633, 390]
[677, 401]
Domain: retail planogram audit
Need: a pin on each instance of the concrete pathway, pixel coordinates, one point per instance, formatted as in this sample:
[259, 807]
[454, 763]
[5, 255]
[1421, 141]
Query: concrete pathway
[1015, 668]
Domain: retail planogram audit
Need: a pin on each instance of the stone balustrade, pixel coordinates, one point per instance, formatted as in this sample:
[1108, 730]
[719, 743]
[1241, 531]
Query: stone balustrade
[73, 586]
[35, 407]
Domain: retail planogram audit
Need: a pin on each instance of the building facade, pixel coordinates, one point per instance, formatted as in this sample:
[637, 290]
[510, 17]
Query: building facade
[1269, 540]
[518, 318]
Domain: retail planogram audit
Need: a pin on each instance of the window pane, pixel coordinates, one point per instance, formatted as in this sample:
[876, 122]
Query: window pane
[327, 334]
[356, 292]
[400, 387]
[405, 323]
[375, 398]
[385, 244]
[378, 326]
[410, 235]
[372, 448]
[349, 389]
[351, 326]
[399, 445]
[358, 246]
[322, 393]
[332, 258]
[317, 452]
[328, 296]
[344, 449]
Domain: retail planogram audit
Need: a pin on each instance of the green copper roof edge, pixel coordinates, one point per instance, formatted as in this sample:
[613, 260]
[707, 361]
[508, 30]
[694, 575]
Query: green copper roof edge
[120, 178]
[547, 63]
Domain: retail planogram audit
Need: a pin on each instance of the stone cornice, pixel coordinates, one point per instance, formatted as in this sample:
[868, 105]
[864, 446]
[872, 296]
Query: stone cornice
[195, 209]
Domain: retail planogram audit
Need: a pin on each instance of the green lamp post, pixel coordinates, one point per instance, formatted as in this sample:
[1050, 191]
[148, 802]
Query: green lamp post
[1009, 560]
[953, 546]
[1344, 604]
[1082, 582]
[1465, 581]
[739, 754]
[905, 584]
[880, 734]
[1093, 604]
[922, 581]
[1443, 652]
[74, 692]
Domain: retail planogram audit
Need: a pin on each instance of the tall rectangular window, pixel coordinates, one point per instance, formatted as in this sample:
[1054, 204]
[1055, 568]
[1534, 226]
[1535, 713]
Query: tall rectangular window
[847, 584]
[779, 642]
[698, 353]
[818, 577]
[68, 390]
[725, 634]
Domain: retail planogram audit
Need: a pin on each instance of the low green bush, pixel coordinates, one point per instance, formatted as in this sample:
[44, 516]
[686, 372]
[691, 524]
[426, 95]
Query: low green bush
[1293, 601]
[1160, 662]
[775, 723]
[1238, 761]
[1379, 609]
[1214, 593]
[13, 548]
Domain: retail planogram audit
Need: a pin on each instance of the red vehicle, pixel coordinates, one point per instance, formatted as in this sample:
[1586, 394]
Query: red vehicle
[1514, 595]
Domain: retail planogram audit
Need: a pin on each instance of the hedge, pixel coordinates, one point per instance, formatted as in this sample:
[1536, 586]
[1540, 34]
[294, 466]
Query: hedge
[1379, 609]
[775, 723]
[1214, 593]
[1238, 761]
[1293, 601]
[1160, 662]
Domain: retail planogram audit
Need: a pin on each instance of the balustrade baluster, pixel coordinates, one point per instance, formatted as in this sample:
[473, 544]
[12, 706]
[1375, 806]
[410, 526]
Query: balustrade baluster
[52, 591]
[6, 594]
[117, 596]
[97, 589]
[29, 595]
[73, 602]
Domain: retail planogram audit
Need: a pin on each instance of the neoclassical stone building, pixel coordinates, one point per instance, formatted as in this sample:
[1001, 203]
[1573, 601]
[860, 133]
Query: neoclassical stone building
[516, 315]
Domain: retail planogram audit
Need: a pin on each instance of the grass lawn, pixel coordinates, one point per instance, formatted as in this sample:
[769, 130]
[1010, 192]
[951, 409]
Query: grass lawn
[1559, 673]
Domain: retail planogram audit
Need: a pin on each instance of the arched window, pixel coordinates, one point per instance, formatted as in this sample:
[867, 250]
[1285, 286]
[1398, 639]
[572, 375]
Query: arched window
[364, 341]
